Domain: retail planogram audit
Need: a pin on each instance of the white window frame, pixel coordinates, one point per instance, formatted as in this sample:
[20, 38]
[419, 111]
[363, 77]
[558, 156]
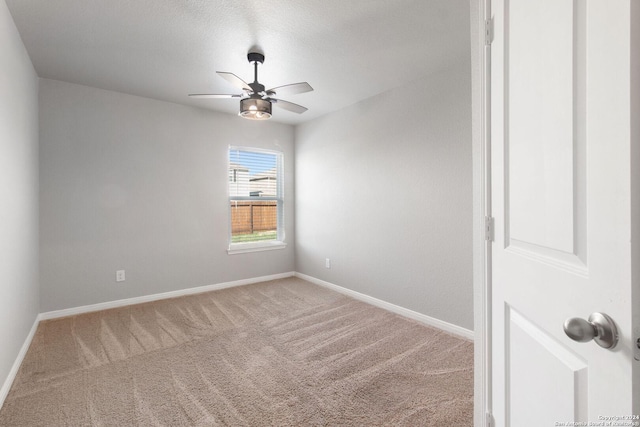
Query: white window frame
[279, 243]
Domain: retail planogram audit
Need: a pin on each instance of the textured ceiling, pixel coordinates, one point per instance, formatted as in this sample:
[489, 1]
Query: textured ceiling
[348, 50]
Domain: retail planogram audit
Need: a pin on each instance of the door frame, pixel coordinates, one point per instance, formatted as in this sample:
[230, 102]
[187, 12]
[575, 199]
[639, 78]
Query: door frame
[635, 193]
[480, 12]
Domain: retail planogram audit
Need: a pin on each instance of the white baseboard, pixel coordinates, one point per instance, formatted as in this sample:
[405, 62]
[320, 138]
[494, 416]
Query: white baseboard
[155, 297]
[422, 318]
[8, 382]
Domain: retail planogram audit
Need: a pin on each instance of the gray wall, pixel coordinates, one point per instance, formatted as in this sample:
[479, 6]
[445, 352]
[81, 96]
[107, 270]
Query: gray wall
[383, 189]
[141, 185]
[18, 193]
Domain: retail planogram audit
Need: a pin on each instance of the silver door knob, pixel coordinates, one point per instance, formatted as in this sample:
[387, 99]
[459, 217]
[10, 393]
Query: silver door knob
[600, 328]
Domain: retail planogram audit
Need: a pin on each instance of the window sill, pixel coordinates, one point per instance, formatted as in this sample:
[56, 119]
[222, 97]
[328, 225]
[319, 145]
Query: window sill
[243, 248]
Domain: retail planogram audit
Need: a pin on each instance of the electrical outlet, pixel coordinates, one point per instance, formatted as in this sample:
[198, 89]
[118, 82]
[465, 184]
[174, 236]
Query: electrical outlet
[327, 263]
[120, 276]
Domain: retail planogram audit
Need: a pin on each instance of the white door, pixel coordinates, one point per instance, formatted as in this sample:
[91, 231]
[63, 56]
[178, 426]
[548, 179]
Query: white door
[560, 196]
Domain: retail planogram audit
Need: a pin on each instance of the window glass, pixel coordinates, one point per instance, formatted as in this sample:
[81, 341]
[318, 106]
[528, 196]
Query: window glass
[255, 196]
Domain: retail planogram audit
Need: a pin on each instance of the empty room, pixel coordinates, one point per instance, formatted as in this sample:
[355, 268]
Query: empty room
[306, 213]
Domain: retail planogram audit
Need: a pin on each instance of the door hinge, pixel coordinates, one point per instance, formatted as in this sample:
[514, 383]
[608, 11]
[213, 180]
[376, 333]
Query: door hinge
[489, 420]
[489, 226]
[488, 31]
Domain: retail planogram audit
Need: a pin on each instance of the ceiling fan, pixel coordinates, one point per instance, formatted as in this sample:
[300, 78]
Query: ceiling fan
[255, 101]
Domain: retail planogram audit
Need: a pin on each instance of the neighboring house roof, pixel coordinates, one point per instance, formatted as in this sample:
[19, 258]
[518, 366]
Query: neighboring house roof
[269, 174]
[235, 166]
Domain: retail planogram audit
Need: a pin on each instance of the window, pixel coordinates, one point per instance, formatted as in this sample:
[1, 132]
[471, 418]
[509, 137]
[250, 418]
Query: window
[255, 200]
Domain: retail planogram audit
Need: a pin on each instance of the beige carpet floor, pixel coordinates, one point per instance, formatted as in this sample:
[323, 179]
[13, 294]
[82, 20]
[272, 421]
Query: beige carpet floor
[279, 353]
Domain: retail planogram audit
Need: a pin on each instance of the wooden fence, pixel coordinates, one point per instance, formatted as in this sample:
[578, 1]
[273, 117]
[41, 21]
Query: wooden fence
[253, 216]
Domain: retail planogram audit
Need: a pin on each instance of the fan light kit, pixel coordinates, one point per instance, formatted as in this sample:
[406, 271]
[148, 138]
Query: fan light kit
[255, 101]
[255, 108]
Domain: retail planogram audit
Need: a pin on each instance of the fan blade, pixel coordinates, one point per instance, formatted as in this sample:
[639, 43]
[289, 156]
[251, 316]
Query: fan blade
[234, 80]
[291, 89]
[295, 108]
[213, 95]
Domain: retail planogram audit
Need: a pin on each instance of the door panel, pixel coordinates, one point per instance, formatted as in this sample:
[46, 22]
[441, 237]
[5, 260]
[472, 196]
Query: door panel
[540, 73]
[558, 380]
